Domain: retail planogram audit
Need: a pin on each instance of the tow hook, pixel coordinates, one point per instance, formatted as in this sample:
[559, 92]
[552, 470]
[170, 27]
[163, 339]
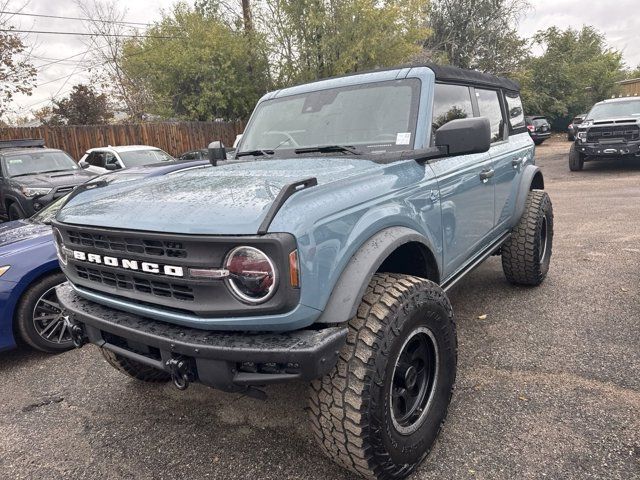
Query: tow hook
[181, 372]
[78, 338]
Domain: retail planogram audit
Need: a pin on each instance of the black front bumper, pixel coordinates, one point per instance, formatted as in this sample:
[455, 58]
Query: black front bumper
[230, 361]
[617, 149]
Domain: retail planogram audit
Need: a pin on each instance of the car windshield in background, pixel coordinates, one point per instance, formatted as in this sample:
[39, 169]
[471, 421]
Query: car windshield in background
[374, 117]
[136, 158]
[538, 122]
[29, 163]
[615, 110]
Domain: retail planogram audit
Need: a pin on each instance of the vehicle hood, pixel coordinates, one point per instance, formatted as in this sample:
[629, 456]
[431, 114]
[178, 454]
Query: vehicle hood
[232, 199]
[21, 235]
[55, 179]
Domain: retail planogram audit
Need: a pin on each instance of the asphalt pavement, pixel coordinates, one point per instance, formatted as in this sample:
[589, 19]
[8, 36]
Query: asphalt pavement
[548, 381]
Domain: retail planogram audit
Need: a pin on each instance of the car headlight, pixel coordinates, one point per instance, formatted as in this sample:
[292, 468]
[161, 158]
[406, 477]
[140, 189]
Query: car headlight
[60, 248]
[4, 269]
[34, 192]
[252, 276]
[582, 136]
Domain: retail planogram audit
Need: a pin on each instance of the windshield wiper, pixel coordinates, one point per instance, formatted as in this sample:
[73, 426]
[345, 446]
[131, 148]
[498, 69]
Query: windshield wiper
[254, 153]
[329, 149]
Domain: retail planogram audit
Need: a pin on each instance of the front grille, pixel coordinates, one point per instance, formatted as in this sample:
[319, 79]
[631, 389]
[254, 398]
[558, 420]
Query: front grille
[614, 132]
[133, 283]
[116, 243]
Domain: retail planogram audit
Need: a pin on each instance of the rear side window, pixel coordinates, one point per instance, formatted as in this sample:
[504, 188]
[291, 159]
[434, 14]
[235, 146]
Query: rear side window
[516, 111]
[489, 106]
[96, 159]
[450, 102]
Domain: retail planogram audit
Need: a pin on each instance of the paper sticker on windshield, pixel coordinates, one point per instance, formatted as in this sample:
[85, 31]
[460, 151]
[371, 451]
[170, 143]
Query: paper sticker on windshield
[403, 138]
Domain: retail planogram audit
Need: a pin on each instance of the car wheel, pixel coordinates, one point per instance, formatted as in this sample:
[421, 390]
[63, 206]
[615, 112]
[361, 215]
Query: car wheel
[40, 318]
[379, 411]
[570, 138]
[576, 159]
[538, 142]
[14, 212]
[134, 369]
[526, 255]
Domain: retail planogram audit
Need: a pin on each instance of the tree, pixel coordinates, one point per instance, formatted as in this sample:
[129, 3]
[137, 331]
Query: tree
[83, 106]
[202, 68]
[106, 51]
[477, 34]
[312, 39]
[575, 70]
[17, 74]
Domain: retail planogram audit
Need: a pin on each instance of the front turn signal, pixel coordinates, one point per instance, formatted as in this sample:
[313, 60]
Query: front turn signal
[294, 271]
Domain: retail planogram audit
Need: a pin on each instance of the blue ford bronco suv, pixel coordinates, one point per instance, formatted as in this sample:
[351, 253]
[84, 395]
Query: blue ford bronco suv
[321, 251]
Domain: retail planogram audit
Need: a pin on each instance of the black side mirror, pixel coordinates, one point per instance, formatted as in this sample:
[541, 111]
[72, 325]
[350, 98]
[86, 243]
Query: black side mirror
[111, 166]
[464, 136]
[217, 152]
[83, 164]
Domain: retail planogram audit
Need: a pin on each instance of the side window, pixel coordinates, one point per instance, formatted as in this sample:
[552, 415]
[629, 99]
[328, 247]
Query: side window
[450, 102]
[516, 111]
[96, 159]
[489, 106]
[110, 159]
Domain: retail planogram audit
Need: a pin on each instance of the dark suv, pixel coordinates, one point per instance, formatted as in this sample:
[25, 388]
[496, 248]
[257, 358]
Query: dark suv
[611, 131]
[539, 128]
[32, 176]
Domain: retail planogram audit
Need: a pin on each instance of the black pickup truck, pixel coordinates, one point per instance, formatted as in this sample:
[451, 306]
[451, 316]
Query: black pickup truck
[32, 176]
[610, 131]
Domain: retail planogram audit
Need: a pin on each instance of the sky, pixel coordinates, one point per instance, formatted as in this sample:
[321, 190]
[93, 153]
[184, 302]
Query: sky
[619, 20]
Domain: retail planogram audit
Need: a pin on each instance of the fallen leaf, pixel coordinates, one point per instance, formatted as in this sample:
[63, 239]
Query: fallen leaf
[624, 289]
[482, 317]
[523, 398]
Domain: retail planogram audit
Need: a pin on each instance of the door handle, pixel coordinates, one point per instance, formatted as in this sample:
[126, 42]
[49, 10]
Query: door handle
[517, 163]
[485, 175]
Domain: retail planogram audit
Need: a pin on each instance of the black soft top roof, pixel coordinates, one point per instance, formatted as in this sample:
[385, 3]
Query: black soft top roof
[447, 73]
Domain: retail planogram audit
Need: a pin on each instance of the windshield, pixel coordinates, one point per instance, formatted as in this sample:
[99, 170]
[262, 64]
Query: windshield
[29, 163]
[375, 117]
[538, 122]
[136, 158]
[615, 110]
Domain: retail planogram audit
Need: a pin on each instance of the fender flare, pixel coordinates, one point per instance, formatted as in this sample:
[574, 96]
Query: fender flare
[350, 288]
[531, 178]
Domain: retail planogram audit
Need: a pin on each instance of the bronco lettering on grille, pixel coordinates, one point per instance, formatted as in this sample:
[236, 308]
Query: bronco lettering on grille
[126, 264]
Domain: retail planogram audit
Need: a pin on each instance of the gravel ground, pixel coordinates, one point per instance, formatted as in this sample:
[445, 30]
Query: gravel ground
[548, 383]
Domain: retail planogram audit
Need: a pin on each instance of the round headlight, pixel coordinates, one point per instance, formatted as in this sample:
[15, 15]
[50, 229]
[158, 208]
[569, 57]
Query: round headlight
[57, 237]
[252, 275]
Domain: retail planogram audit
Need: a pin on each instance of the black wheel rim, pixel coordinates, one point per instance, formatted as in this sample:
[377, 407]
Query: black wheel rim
[543, 239]
[49, 319]
[413, 382]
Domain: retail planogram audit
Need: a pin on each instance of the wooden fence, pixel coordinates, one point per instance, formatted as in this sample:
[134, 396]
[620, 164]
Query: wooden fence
[173, 137]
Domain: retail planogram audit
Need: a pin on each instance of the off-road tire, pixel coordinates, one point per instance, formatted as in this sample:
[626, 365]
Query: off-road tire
[350, 409]
[538, 142]
[135, 369]
[576, 159]
[24, 321]
[527, 253]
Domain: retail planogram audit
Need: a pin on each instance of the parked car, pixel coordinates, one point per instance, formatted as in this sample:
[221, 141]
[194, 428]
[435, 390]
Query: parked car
[610, 131]
[104, 159]
[539, 128]
[322, 256]
[572, 129]
[29, 270]
[32, 176]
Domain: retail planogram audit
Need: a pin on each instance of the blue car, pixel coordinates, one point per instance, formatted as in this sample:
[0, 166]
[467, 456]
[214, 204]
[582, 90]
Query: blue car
[29, 270]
